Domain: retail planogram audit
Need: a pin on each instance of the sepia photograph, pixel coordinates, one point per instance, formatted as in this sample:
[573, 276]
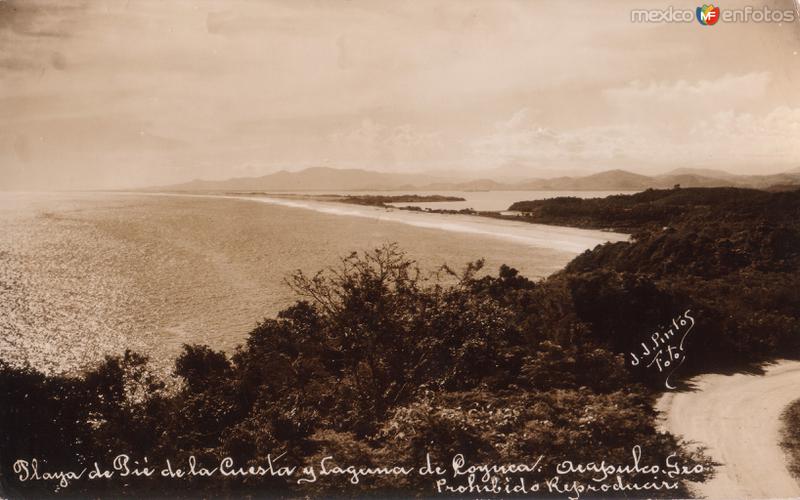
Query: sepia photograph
[476, 249]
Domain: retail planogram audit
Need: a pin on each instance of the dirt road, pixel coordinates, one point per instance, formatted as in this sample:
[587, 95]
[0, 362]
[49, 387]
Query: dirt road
[737, 417]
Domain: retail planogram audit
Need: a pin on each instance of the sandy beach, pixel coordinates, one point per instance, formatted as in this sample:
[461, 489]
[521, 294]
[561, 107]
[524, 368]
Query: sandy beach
[565, 239]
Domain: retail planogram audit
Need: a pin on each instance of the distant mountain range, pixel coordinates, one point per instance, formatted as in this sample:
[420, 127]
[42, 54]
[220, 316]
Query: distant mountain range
[332, 179]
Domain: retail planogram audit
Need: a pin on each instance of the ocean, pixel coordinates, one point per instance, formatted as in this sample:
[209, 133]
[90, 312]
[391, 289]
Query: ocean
[477, 200]
[85, 275]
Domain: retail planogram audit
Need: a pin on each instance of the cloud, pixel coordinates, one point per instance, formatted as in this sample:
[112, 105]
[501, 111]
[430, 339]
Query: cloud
[754, 141]
[742, 137]
[18, 64]
[522, 138]
[727, 87]
[37, 18]
[206, 85]
[396, 144]
[664, 123]
[684, 100]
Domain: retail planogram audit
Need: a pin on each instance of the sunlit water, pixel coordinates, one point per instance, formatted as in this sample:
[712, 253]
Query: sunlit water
[480, 200]
[502, 200]
[88, 275]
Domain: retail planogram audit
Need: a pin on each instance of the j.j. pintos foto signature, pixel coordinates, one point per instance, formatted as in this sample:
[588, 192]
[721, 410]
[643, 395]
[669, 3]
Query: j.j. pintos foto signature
[665, 349]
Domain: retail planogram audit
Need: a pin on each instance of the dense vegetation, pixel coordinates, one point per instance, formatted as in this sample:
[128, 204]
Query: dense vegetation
[385, 200]
[647, 209]
[791, 437]
[379, 364]
[376, 200]
[733, 259]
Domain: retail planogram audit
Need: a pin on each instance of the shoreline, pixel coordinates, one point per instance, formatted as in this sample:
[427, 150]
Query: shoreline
[562, 238]
[169, 326]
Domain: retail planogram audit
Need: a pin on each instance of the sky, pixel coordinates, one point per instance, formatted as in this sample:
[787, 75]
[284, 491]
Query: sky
[116, 94]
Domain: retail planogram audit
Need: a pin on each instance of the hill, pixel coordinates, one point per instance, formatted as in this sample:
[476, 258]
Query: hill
[332, 179]
[703, 172]
[311, 179]
[609, 180]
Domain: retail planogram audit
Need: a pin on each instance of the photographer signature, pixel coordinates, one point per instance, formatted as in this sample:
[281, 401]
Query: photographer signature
[665, 349]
